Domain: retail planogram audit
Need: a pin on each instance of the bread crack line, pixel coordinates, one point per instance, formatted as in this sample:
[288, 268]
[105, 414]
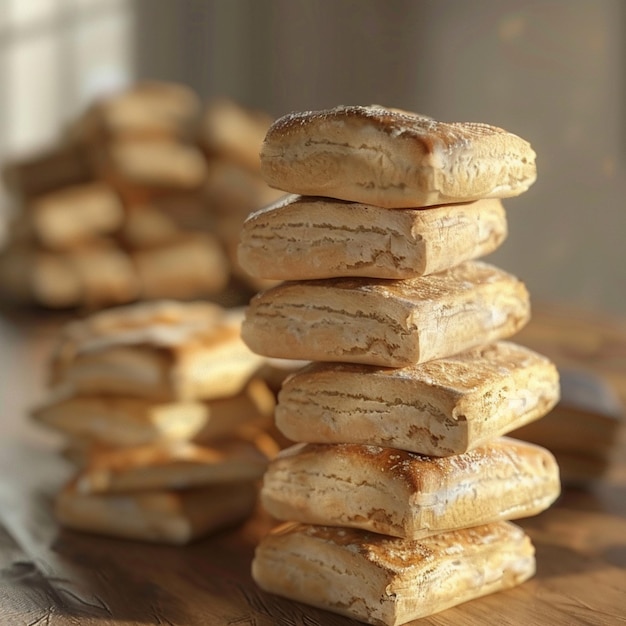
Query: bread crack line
[359, 398]
[273, 310]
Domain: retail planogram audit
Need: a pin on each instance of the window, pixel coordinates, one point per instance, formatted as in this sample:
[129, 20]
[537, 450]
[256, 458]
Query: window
[55, 56]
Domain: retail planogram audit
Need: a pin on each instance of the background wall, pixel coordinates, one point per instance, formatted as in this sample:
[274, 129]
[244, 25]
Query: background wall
[554, 73]
[55, 56]
[551, 71]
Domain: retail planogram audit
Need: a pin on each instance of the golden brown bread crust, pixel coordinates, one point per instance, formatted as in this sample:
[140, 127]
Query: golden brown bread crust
[303, 238]
[251, 409]
[393, 158]
[75, 215]
[29, 275]
[389, 581]
[234, 133]
[233, 191]
[147, 226]
[94, 276]
[138, 371]
[160, 516]
[190, 266]
[55, 167]
[148, 110]
[404, 494]
[159, 164]
[166, 322]
[163, 350]
[438, 408]
[106, 275]
[124, 420]
[384, 322]
[178, 465]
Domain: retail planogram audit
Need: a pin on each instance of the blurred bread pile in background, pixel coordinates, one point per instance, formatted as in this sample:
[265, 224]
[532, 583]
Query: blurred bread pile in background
[141, 198]
[167, 417]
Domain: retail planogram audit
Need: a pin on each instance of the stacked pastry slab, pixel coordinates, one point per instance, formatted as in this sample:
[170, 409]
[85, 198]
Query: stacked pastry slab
[161, 408]
[396, 498]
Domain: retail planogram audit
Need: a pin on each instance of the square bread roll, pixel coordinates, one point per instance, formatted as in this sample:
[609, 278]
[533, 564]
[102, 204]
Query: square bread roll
[133, 371]
[252, 408]
[303, 238]
[405, 494]
[29, 275]
[147, 226]
[389, 581]
[122, 420]
[147, 109]
[179, 465]
[61, 165]
[164, 322]
[162, 350]
[95, 276]
[131, 421]
[387, 323]
[232, 132]
[75, 215]
[393, 158]
[161, 516]
[160, 164]
[438, 408]
[106, 275]
[193, 265]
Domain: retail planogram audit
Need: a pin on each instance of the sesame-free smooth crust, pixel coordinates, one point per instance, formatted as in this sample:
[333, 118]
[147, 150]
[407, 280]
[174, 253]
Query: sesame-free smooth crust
[393, 158]
[404, 494]
[389, 581]
[392, 323]
[442, 407]
[160, 516]
[304, 237]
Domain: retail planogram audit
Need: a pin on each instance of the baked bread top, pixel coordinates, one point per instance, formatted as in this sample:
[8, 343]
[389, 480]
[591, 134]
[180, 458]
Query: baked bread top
[177, 465]
[393, 158]
[163, 350]
[438, 408]
[159, 515]
[306, 237]
[392, 323]
[389, 581]
[404, 494]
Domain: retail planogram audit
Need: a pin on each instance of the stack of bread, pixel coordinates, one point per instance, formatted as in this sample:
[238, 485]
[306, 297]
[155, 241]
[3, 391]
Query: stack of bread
[395, 498]
[139, 200]
[162, 408]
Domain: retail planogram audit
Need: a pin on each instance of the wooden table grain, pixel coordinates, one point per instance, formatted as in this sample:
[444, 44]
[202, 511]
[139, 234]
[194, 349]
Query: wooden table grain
[53, 576]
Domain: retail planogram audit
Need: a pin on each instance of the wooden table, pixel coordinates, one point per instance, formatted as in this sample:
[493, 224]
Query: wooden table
[52, 576]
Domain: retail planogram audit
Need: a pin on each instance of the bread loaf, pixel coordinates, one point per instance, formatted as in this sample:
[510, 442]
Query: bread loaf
[404, 494]
[389, 581]
[303, 238]
[162, 350]
[178, 465]
[161, 516]
[388, 323]
[393, 159]
[442, 407]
